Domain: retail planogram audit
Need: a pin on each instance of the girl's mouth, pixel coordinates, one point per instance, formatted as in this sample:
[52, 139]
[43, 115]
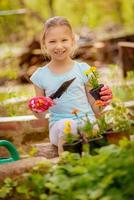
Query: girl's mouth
[59, 53]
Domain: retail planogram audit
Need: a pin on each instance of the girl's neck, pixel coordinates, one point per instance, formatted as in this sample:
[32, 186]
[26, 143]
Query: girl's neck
[61, 66]
[60, 63]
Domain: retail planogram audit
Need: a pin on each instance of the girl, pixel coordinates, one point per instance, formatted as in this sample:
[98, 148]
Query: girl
[58, 41]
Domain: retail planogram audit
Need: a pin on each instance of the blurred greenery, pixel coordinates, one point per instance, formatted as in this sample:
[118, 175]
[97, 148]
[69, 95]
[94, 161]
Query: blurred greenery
[93, 14]
[18, 97]
[124, 92]
[16, 91]
[108, 175]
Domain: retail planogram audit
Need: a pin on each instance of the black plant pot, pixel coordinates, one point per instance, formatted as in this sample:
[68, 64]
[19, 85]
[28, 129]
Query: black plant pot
[96, 143]
[95, 92]
[75, 147]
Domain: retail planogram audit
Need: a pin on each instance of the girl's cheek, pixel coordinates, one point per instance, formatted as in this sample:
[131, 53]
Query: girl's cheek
[52, 46]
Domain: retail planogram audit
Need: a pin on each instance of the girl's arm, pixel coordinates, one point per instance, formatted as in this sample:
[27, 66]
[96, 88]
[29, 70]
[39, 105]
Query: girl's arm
[39, 92]
[91, 100]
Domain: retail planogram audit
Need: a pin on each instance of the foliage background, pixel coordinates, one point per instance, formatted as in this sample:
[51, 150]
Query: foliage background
[94, 14]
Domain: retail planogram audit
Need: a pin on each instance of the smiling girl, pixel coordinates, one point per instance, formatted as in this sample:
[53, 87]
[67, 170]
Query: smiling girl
[58, 41]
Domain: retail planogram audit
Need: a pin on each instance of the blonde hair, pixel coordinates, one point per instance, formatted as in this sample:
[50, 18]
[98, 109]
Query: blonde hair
[53, 22]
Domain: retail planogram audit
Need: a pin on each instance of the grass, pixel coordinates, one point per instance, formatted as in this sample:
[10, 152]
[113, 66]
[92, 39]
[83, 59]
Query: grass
[124, 92]
[15, 109]
[16, 91]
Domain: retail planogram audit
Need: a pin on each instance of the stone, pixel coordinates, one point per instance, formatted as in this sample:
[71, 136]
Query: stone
[46, 150]
[15, 169]
[23, 129]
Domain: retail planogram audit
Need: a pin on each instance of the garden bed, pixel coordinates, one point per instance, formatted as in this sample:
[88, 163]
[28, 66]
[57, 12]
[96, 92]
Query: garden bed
[108, 175]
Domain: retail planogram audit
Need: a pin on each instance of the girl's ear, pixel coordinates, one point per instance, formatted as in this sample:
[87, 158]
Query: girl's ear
[74, 44]
[74, 47]
[44, 51]
[74, 38]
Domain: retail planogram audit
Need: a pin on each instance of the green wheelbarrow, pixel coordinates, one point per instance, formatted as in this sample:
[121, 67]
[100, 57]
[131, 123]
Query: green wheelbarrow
[12, 150]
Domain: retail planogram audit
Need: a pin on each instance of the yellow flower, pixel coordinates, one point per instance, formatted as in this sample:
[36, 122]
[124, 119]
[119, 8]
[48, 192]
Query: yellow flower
[87, 72]
[67, 123]
[67, 129]
[90, 70]
[93, 69]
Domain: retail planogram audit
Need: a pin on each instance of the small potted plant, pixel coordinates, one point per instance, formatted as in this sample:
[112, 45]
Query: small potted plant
[73, 143]
[93, 82]
[102, 128]
[92, 135]
[89, 132]
[119, 123]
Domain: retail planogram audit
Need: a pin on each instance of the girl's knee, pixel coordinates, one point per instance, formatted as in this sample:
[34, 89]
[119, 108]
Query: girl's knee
[61, 126]
[57, 131]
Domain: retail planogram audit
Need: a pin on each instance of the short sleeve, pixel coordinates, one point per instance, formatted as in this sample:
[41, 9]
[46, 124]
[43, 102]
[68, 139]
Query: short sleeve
[83, 68]
[36, 78]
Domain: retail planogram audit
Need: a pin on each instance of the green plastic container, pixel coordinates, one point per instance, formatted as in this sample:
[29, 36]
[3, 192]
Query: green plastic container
[12, 150]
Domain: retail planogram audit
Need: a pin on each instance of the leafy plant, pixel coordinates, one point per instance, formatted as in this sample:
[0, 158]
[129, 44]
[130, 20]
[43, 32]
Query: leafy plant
[118, 117]
[68, 136]
[7, 188]
[80, 178]
[89, 129]
[102, 125]
[93, 79]
[124, 90]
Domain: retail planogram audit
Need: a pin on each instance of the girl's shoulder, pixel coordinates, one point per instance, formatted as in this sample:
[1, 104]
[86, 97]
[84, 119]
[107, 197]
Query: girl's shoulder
[83, 66]
[39, 70]
[38, 76]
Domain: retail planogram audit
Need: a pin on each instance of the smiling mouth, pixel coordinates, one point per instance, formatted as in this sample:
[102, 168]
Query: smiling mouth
[59, 53]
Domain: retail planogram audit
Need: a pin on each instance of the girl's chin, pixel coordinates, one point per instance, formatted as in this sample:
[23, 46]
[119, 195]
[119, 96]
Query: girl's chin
[62, 57]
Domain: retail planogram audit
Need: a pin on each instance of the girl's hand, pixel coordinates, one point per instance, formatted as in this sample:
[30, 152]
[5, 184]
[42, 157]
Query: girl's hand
[40, 104]
[106, 95]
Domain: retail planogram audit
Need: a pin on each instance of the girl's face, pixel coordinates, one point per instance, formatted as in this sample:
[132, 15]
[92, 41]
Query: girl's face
[58, 42]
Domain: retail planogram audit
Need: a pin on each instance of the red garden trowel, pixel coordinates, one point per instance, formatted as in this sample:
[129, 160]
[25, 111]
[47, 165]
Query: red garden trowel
[42, 103]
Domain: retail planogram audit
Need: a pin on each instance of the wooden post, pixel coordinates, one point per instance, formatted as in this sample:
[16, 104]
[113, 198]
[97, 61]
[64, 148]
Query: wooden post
[126, 56]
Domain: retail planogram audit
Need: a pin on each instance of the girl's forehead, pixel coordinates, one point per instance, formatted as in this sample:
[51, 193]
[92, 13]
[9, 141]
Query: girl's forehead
[58, 31]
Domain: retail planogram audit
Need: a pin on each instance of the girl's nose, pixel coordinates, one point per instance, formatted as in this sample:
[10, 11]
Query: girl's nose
[58, 45]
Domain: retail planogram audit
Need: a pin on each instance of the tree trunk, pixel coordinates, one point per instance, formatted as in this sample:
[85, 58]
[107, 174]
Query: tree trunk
[51, 7]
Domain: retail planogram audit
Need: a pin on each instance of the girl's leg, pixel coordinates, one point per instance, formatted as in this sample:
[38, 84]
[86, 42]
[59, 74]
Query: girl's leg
[60, 144]
[56, 133]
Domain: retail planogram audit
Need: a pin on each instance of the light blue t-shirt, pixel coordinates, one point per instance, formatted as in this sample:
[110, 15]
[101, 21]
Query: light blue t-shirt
[74, 97]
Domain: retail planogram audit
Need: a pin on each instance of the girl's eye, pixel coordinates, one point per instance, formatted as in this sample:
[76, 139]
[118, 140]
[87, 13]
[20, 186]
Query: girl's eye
[52, 41]
[64, 40]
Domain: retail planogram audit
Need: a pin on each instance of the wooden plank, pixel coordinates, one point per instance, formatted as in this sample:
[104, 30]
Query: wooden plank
[126, 56]
[13, 12]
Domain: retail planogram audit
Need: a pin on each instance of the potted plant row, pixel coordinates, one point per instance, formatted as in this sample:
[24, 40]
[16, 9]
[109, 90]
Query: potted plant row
[110, 128]
[86, 134]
